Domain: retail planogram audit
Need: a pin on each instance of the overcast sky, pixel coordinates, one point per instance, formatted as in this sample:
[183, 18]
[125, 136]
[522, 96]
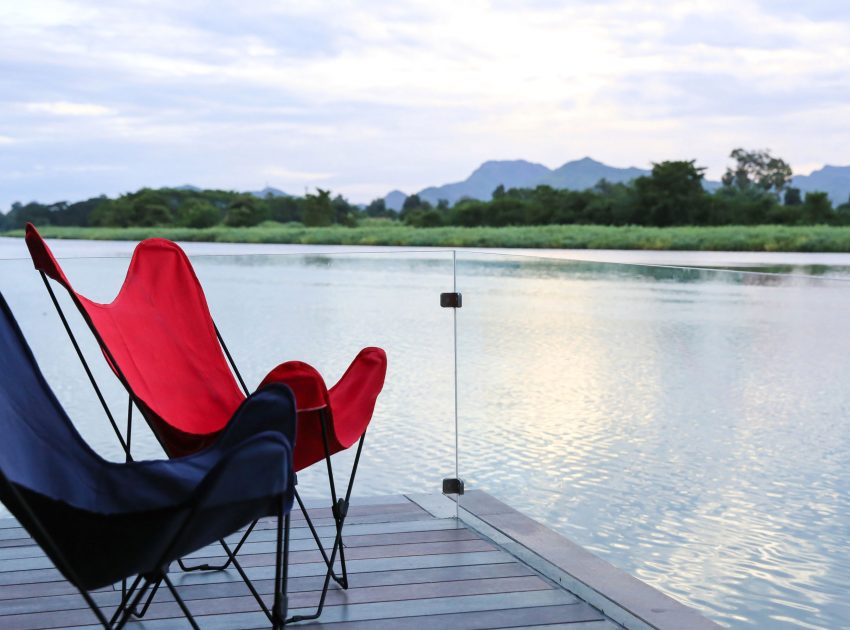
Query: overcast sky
[363, 97]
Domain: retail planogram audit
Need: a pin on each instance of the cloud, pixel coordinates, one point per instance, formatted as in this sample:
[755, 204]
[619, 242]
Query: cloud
[289, 175]
[64, 108]
[414, 93]
[820, 10]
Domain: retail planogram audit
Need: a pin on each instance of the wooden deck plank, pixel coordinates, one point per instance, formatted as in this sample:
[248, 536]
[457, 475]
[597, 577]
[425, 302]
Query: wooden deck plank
[43, 589]
[586, 618]
[319, 516]
[265, 587]
[354, 566]
[265, 530]
[312, 557]
[394, 610]
[601, 624]
[408, 569]
[258, 552]
[326, 533]
[164, 609]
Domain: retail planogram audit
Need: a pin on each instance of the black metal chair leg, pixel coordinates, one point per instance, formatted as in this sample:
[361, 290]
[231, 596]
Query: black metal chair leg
[97, 391]
[180, 602]
[340, 510]
[232, 558]
[138, 614]
[341, 513]
[280, 608]
[219, 567]
[128, 609]
[313, 530]
[325, 586]
[125, 599]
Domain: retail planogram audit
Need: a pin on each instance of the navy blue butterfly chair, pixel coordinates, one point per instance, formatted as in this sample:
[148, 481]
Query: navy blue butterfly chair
[100, 522]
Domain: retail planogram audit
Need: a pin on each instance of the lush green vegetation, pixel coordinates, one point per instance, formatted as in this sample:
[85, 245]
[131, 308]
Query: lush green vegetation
[637, 215]
[385, 232]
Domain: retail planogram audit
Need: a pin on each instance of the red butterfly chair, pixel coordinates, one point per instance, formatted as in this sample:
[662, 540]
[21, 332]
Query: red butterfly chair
[160, 340]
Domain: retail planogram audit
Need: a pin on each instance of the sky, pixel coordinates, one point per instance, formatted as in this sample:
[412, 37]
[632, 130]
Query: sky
[365, 97]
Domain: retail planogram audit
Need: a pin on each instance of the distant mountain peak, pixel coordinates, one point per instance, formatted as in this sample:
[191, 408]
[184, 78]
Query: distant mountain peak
[395, 200]
[500, 164]
[268, 190]
[575, 175]
[486, 178]
[585, 173]
[833, 180]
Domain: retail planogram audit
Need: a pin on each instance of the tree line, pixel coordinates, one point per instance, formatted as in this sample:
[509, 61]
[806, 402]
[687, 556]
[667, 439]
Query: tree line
[754, 191]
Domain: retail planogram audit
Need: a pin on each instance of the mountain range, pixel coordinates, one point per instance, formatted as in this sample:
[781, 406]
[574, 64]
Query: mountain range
[262, 194]
[586, 173]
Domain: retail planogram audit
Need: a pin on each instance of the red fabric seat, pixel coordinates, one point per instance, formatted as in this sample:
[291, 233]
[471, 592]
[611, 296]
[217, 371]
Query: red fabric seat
[161, 335]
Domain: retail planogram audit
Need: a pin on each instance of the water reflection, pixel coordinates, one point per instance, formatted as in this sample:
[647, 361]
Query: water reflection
[691, 428]
[691, 425]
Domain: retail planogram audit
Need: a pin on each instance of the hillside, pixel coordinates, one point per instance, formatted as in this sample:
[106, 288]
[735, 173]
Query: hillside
[833, 180]
[586, 173]
[574, 175]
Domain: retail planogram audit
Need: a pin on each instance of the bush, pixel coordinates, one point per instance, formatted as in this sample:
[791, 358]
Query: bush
[243, 212]
[197, 213]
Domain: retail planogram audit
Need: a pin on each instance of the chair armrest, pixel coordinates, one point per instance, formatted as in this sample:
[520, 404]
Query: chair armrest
[42, 257]
[261, 466]
[304, 380]
[270, 408]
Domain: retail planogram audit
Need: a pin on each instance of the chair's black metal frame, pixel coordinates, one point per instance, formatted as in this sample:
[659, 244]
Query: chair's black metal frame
[339, 506]
[132, 597]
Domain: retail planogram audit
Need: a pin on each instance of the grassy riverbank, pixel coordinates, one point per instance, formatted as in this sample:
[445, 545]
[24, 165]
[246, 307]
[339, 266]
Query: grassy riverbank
[770, 238]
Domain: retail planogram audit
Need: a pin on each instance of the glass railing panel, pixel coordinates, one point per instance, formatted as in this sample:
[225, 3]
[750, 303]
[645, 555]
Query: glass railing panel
[688, 425]
[321, 308]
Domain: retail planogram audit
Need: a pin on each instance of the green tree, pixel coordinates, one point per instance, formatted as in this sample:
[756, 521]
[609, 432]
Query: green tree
[792, 197]
[344, 212]
[842, 213]
[469, 212]
[148, 207]
[672, 194]
[198, 213]
[285, 209]
[243, 212]
[731, 205]
[757, 169]
[318, 209]
[413, 206]
[612, 204]
[817, 208]
[505, 211]
[413, 202]
[378, 208]
[540, 204]
[424, 217]
[152, 214]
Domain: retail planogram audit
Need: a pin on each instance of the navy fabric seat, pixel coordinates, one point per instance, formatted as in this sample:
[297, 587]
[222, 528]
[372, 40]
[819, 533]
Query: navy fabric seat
[100, 522]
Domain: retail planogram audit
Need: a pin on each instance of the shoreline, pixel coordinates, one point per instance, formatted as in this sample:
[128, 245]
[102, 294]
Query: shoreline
[762, 238]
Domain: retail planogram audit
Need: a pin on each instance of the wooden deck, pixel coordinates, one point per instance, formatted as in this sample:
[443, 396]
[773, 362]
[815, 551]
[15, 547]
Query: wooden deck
[408, 569]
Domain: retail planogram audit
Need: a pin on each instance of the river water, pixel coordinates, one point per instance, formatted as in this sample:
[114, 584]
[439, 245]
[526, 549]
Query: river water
[689, 424]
